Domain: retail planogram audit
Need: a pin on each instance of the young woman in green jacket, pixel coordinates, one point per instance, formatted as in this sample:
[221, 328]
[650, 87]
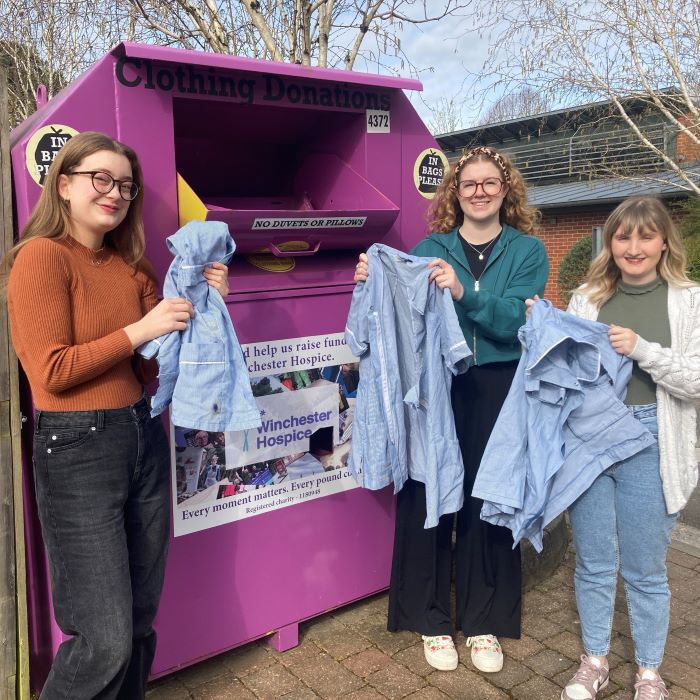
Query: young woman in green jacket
[485, 254]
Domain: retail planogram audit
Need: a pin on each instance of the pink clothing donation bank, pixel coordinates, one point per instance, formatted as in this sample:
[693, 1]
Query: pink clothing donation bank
[307, 167]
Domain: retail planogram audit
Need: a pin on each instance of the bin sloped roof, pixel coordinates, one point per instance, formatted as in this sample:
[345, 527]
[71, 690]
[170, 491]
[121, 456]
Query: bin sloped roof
[29, 124]
[166, 54]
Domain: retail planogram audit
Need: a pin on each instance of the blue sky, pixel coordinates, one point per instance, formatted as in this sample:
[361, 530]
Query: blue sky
[442, 52]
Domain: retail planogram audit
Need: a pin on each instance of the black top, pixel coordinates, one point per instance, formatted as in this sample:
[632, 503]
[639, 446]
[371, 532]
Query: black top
[472, 252]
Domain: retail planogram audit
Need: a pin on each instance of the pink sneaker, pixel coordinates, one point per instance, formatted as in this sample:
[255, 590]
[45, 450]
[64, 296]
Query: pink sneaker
[591, 677]
[649, 686]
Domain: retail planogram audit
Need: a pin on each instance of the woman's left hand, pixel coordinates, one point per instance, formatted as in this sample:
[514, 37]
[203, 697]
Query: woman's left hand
[622, 339]
[444, 275]
[529, 304]
[217, 277]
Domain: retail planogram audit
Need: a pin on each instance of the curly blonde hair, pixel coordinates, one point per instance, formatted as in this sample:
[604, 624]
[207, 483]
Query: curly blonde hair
[640, 213]
[445, 212]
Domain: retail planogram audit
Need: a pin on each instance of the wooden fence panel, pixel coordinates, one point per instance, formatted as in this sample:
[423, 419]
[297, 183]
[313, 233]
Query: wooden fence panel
[14, 671]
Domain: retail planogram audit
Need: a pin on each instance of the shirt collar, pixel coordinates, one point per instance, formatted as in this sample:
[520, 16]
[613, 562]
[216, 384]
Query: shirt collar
[566, 345]
[406, 269]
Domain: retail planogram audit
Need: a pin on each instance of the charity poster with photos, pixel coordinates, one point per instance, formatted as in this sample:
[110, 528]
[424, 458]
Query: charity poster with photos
[305, 389]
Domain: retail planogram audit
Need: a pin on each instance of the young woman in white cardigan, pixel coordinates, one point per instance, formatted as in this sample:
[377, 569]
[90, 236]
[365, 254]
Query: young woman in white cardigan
[638, 285]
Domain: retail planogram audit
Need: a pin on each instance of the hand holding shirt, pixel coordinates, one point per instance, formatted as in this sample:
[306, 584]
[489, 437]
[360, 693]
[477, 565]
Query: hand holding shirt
[202, 369]
[562, 424]
[407, 336]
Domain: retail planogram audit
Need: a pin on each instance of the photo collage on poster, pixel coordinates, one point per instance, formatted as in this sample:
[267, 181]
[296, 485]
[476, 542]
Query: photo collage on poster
[299, 453]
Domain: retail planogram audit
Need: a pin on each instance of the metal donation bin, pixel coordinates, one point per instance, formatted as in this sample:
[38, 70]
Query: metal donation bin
[308, 167]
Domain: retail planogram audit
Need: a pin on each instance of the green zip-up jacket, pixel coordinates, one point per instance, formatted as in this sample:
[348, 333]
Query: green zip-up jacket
[517, 269]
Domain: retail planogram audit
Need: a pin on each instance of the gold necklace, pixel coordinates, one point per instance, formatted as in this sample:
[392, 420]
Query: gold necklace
[95, 258]
[481, 252]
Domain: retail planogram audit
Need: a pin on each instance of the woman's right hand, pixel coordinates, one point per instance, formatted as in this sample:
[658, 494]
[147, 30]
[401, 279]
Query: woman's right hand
[169, 315]
[362, 269]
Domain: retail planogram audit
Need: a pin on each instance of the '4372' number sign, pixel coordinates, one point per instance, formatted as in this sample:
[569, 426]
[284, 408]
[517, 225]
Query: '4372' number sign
[378, 121]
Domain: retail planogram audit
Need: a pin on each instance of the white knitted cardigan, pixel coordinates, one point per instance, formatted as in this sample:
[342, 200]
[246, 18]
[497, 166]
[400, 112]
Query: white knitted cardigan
[676, 372]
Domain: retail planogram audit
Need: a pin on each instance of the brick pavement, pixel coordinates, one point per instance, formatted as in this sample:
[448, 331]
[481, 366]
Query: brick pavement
[348, 653]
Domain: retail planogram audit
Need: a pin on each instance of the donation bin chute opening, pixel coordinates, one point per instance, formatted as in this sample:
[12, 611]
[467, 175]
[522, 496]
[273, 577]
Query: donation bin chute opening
[277, 175]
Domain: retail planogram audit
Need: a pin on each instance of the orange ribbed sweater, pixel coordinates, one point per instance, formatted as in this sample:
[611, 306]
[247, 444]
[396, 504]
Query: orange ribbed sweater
[67, 319]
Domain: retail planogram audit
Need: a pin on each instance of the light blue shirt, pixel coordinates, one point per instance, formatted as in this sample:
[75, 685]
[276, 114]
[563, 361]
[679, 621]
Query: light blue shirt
[407, 336]
[562, 424]
[202, 369]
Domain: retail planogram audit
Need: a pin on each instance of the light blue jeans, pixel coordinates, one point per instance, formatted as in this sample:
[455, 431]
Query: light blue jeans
[621, 523]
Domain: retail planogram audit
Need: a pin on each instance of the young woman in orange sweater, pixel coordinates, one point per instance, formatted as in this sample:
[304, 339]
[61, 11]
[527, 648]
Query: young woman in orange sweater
[81, 298]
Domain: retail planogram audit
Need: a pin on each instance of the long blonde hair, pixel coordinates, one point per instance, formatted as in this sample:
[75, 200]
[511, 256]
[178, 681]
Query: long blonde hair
[641, 213]
[445, 213]
[51, 216]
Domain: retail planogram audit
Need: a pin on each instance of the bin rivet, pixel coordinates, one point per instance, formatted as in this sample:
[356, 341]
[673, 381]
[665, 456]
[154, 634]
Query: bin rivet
[49, 450]
[53, 437]
[93, 428]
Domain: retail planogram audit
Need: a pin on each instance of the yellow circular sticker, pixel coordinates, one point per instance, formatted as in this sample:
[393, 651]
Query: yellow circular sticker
[289, 246]
[43, 146]
[428, 171]
[263, 259]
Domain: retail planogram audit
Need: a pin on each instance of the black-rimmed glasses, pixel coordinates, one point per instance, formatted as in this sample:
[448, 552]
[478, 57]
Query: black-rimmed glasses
[104, 182]
[491, 187]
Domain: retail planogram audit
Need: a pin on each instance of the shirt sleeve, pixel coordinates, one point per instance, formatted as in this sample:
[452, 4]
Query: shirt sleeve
[455, 351]
[500, 317]
[357, 327]
[39, 303]
[167, 348]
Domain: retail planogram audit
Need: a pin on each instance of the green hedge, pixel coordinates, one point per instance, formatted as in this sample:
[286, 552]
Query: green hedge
[574, 266]
[690, 230]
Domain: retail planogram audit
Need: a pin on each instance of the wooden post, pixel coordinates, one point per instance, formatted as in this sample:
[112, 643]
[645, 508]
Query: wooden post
[14, 676]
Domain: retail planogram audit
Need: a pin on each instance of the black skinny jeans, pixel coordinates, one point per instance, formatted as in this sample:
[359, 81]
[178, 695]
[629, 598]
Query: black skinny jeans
[103, 496]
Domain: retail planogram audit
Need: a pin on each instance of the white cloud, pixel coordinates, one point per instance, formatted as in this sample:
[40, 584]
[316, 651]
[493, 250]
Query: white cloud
[447, 55]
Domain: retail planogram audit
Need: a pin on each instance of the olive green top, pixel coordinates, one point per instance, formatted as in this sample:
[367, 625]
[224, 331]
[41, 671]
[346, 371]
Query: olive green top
[644, 309]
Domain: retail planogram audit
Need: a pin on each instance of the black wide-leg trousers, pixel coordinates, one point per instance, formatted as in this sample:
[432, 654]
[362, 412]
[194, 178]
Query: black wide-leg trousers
[487, 568]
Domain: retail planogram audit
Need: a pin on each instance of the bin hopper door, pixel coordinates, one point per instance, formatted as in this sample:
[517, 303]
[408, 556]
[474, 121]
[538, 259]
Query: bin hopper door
[331, 207]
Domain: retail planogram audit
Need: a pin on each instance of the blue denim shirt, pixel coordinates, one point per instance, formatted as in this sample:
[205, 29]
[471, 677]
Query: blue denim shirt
[562, 424]
[202, 369]
[407, 336]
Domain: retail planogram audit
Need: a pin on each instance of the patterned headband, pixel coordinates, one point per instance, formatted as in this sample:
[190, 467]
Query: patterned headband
[483, 151]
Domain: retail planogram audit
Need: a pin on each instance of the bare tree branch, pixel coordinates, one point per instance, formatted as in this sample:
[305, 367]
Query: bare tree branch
[63, 37]
[251, 7]
[629, 52]
[445, 115]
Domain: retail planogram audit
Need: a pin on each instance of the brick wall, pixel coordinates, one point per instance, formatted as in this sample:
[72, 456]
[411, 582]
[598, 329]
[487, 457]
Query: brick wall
[687, 151]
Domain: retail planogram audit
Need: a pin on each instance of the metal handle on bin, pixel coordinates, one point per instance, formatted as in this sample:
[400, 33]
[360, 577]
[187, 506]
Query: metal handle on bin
[292, 253]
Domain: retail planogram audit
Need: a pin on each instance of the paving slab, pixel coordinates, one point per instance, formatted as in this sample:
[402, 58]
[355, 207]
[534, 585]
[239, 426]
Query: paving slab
[349, 654]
